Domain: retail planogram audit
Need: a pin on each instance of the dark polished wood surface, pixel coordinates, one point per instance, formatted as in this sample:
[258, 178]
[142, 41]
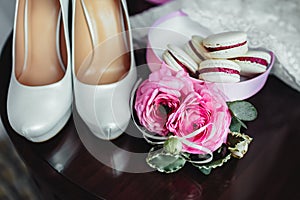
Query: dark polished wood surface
[64, 169]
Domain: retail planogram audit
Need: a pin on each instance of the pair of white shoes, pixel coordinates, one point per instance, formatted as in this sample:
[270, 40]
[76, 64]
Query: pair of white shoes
[38, 106]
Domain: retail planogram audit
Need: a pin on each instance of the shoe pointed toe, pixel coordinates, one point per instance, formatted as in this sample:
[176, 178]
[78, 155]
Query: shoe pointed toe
[37, 121]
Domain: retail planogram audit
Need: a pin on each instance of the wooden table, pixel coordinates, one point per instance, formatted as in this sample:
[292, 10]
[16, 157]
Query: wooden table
[64, 169]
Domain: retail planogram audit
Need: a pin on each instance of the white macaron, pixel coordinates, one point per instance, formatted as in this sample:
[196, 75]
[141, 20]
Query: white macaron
[219, 71]
[177, 59]
[195, 49]
[226, 45]
[253, 62]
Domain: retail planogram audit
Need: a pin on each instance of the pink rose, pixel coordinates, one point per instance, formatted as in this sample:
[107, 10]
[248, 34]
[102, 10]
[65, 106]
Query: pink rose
[204, 106]
[159, 96]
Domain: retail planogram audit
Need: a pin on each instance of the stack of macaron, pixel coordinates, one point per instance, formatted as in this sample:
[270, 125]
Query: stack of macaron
[222, 57]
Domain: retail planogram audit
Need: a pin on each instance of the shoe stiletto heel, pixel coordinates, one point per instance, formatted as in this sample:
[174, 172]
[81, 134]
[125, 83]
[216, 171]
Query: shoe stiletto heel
[40, 91]
[103, 65]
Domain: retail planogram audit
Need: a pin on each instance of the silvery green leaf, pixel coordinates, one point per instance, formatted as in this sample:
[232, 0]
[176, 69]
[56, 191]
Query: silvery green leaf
[206, 168]
[235, 125]
[164, 161]
[242, 123]
[205, 171]
[221, 156]
[243, 110]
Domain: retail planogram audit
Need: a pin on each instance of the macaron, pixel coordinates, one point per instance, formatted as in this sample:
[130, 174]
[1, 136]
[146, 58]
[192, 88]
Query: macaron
[226, 45]
[195, 49]
[253, 62]
[177, 59]
[219, 71]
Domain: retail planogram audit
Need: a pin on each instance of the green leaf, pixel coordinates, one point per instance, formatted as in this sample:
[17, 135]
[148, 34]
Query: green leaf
[221, 156]
[242, 123]
[206, 168]
[164, 161]
[205, 171]
[235, 125]
[243, 110]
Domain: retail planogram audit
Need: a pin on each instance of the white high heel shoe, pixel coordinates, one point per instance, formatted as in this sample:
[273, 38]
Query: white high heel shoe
[40, 91]
[103, 65]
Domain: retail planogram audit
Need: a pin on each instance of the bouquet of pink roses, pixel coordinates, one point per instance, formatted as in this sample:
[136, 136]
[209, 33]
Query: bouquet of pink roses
[189, 121]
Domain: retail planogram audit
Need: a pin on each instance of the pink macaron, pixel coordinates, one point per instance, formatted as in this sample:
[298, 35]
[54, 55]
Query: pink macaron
[219, 71]
[226, 45]
[253, 62]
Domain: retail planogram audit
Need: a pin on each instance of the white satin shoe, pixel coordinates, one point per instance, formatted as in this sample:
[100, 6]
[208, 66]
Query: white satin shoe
[102, 98]
[39, 105]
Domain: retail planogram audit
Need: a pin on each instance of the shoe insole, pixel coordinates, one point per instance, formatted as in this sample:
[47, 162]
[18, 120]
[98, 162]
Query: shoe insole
[101, 51]
[36, 54]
